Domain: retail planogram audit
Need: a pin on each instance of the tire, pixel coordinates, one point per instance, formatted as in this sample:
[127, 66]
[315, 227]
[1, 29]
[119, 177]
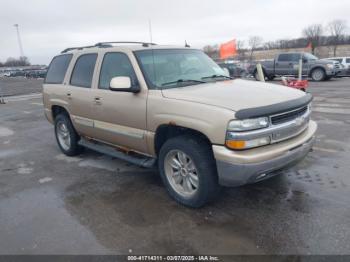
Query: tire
[256, 76]
[66, 136]
[318, 74]
[270, 78]
[183, 187]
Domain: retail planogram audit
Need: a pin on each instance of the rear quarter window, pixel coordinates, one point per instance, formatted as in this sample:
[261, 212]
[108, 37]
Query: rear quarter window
[57, 69]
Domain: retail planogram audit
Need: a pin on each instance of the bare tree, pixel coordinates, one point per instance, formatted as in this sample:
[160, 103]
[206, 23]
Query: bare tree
[212, 51]
[337, 30]
[22, 61]
[254, 43]
[313, 34]
[240, 49]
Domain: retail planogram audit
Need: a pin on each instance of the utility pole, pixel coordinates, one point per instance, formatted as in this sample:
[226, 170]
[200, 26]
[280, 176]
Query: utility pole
[19, 40]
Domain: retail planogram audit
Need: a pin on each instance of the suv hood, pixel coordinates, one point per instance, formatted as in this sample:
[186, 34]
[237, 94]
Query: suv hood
[234, 94]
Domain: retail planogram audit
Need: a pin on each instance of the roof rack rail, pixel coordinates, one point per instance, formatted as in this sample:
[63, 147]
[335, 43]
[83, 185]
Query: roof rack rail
[76, 48]
[106, 44]
[109, 44]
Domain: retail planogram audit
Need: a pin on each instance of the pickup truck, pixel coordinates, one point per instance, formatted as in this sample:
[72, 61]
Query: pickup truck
[287, 64]
[174, 108]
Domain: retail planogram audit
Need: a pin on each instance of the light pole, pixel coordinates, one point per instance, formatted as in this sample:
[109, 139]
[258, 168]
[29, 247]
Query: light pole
[19, 40]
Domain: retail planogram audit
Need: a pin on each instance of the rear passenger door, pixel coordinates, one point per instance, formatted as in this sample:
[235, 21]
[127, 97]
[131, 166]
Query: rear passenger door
[285, 65]
[79, 94]
[120, 117]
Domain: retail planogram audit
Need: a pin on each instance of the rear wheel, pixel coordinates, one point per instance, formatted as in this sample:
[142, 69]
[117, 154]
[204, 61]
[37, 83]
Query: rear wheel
[66, 136]
[188, 171]
[318, 74]
[270, 78]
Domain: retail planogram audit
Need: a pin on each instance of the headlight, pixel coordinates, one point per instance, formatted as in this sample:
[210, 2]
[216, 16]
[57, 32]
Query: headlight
[245, 144]
[330, 66]
[248, 124]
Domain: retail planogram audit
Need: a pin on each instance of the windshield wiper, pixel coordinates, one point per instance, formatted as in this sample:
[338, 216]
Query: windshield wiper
[217, 76]
[182, 81]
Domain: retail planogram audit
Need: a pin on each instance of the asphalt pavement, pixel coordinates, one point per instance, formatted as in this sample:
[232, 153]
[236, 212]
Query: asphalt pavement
[93, 204]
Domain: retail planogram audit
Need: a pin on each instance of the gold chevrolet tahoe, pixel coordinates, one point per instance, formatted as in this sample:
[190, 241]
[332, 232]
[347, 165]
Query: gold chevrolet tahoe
[176, 108]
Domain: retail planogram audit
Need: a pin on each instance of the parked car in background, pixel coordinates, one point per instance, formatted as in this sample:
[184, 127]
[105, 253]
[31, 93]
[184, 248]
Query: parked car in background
[17, 73]
[36, 74]
[286, 64]
[345, 62]
[235, 70]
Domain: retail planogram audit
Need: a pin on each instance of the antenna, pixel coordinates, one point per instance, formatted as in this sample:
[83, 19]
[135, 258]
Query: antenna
[150, 30]
[151, 38]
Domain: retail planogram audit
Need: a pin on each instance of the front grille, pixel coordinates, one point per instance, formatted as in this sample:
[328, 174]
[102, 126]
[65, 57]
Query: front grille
[289, 116]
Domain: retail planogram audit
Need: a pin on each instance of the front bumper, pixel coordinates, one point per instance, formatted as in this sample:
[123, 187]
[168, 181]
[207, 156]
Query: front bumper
[249, 166]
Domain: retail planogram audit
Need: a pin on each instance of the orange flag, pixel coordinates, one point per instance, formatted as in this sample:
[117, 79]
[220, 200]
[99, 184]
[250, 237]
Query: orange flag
[228, 49]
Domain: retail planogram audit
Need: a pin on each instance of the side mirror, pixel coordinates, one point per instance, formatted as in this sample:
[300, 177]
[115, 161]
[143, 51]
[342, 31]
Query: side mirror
[304, 60]
[123, 83]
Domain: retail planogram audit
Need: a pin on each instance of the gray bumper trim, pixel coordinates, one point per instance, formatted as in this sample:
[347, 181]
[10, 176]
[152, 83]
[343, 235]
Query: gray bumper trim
[240, 174]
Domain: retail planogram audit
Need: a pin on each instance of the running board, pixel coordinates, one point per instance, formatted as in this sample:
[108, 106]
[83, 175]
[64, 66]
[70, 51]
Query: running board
[139, 160]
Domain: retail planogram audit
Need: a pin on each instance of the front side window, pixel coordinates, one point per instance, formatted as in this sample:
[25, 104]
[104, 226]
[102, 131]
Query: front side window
[309, 56]
[84, 71]
[165, 68]
[113, 65]
[57, 69]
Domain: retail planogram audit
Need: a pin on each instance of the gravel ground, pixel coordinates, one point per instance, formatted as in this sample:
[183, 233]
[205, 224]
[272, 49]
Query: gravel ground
[11, 86]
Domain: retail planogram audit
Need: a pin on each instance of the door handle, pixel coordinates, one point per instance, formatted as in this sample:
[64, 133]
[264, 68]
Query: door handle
[69, 95]
[97, 100]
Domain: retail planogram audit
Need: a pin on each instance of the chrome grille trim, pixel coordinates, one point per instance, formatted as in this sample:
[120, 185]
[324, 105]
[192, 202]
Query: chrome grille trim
[277, 133]
[288, 116]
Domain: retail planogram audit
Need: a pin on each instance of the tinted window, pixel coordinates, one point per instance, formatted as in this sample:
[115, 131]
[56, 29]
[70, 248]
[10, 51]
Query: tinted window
[289, 57]
[57, 69]
[84, 70]
[283, 57]
[115, 64]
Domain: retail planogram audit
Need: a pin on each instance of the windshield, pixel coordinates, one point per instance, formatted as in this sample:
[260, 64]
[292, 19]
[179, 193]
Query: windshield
[310, 56]
[170, 68]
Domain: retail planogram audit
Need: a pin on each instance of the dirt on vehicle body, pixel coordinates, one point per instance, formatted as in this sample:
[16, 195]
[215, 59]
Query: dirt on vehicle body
[176, 108]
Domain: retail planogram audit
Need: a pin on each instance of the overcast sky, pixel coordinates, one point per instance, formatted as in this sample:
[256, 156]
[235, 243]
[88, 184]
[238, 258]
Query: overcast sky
[49, 26]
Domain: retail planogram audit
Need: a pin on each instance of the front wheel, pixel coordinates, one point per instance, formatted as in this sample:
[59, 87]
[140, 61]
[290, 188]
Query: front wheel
[188, 171]
[318, 74]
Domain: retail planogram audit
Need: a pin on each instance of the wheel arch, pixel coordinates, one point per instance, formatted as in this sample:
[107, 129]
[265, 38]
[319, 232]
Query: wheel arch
[58, 109]
[167, 131]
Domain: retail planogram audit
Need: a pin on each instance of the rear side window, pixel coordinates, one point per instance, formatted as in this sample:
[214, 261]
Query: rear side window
[84, 71]
[284, 57]
[57, 69]
[289, 57]
[115, 64]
